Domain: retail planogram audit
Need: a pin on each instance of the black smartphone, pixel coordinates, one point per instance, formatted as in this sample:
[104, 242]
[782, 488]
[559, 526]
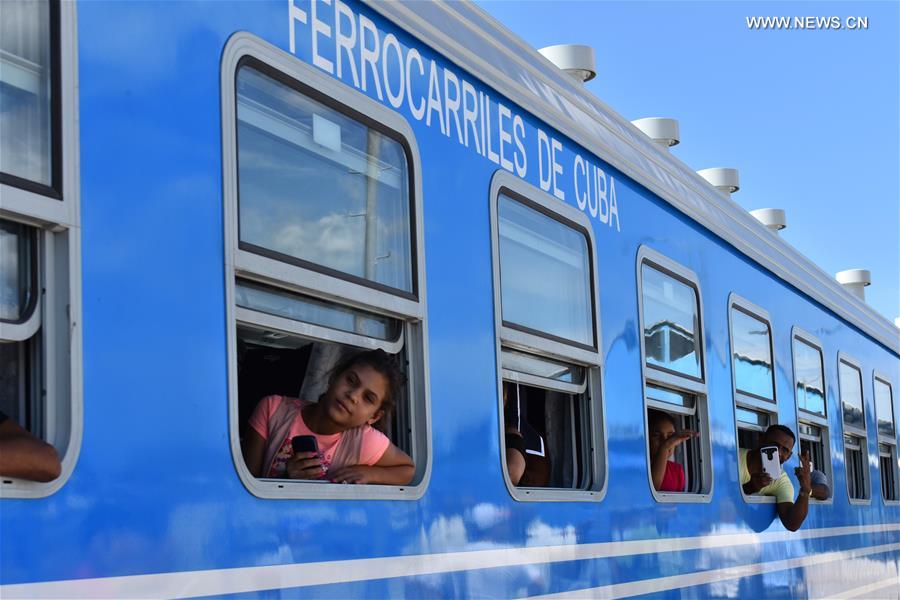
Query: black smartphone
[304, 443]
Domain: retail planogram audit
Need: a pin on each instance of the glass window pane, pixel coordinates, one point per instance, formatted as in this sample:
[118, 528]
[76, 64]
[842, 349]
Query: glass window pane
[319, 186]
[810, 381]
[670, 396]
[851, 396]
[545, 278]
[752, 357]
[17, 275]
[541, 367]
[751, 417]
[884, 408]
[671, 337]
[310, 310]
[25, 90]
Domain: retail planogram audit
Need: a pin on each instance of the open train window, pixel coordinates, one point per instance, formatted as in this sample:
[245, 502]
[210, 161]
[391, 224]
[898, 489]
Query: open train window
[752, 373]
[547, 343]
[674, 375]
[856, 452]
[323, 251]
[40, 298]
[811, 401]
[887, 438]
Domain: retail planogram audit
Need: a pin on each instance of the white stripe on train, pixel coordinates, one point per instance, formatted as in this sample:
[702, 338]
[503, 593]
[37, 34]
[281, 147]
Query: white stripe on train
[662, 584]
[254, 579]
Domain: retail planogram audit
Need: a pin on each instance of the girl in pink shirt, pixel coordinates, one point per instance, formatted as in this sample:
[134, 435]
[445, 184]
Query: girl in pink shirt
[668, 476]
[360, 394]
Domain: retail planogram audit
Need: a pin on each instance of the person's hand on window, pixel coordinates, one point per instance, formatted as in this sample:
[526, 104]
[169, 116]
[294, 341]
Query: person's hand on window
[757, 482]
[354, 474]
[305, 465]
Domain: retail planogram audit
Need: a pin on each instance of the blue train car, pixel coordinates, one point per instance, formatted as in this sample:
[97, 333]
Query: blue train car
[205, 204]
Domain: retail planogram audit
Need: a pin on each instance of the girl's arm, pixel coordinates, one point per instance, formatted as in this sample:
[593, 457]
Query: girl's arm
[395, 467]
[254, 448]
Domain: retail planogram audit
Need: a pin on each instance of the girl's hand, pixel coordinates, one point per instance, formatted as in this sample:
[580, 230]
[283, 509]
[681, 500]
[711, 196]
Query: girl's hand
[679, 437]
[305, 465]
[354, 474]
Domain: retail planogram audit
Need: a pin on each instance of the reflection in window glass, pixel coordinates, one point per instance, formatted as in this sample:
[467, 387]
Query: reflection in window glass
[318, 186]
[670, 396]
[310, 310]
[751, 417]
[810, 381]
[541, 367]
[16, 271]
[545, 279]
[670, 322]
[752, 355]
[851, 395]
[884, 408]
[25, 90]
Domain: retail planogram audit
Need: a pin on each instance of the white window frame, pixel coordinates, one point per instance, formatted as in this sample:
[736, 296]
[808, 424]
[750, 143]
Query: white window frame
[515, 339]
[884, 439]
[57, 315]
[860, 434]
[809, 418]
[651, 375]
[254, 267]
[746, 401]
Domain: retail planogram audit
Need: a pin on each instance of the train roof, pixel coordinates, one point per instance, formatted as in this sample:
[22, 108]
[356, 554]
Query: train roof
[478, 43]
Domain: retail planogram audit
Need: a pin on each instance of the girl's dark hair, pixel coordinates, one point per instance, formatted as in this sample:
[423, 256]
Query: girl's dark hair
[657, 416]
[383, 363]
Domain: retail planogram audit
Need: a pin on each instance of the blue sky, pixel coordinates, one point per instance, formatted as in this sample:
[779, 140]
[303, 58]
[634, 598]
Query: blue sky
[809, 117]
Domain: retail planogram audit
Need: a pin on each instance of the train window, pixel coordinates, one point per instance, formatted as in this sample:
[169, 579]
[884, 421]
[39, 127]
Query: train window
[673, 367]
[29, 92]
[752, 373]
[323, 222]
[40, 300]
[856, 455]
[887, 438]
[812, 408]
[547, 343]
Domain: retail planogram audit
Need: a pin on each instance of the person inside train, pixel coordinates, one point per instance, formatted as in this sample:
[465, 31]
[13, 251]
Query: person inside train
[820, 488]
[527, 461]
[668, 476]
[347, 423]
[24, 456]
[755, 480]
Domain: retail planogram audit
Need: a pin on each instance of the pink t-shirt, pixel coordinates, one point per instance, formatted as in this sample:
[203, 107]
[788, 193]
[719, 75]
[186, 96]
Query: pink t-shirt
[374, 443]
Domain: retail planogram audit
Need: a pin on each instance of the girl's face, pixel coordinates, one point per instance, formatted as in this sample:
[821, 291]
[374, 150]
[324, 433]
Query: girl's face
[660, 431]
[355, 397]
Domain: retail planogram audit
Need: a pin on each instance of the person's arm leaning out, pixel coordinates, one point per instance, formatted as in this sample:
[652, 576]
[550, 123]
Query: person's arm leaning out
[24, 456]
[792, 514]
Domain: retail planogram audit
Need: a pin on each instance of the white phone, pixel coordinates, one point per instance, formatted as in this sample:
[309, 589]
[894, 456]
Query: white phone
[770, 462]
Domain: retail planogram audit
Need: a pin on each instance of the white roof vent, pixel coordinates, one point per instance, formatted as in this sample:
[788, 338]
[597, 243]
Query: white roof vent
[575, 59]
[855, 281]
[722, 178]
[773, 218]
[662, 131]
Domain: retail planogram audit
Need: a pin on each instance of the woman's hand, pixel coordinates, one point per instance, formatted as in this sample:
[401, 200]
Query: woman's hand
[679, 437]
[305, 465]
[354, 474]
